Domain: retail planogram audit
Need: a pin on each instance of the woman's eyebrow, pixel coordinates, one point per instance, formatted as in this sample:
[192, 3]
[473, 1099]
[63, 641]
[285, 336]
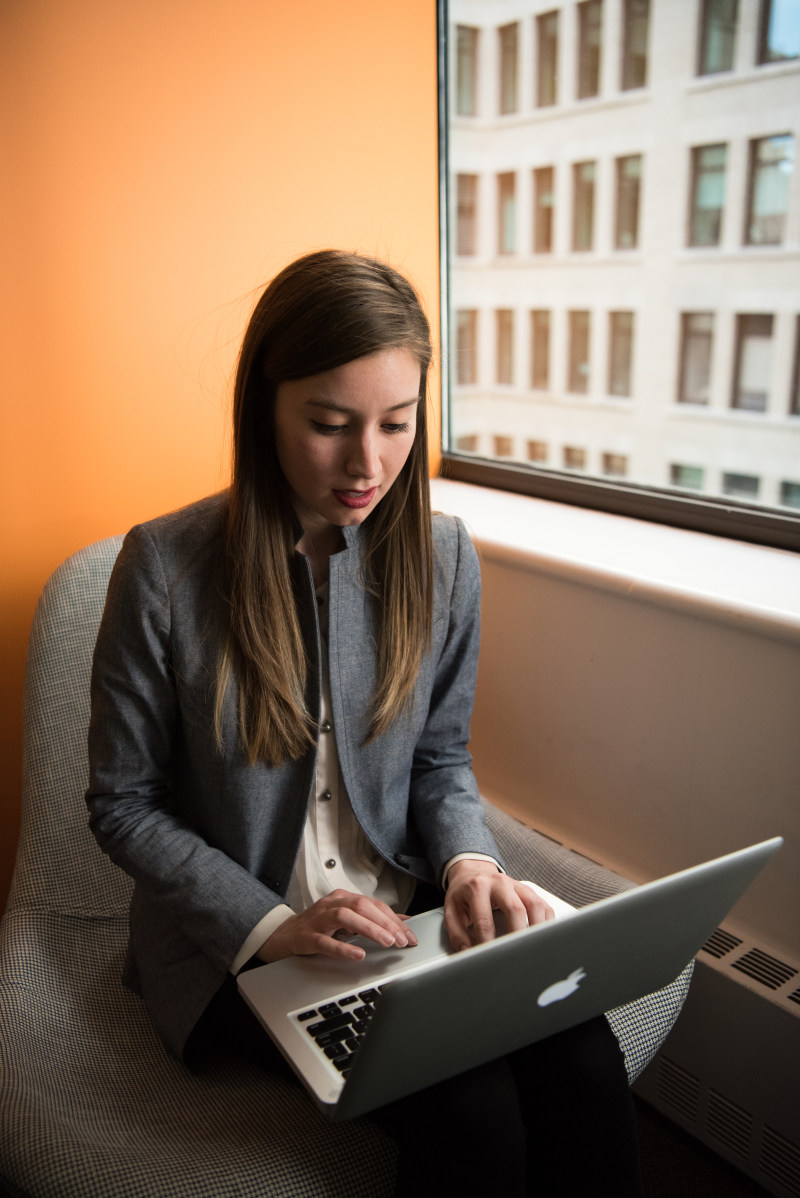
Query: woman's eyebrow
[330, 406]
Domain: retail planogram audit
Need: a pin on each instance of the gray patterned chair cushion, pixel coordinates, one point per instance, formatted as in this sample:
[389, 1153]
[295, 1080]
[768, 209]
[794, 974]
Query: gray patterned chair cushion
[90, 1104]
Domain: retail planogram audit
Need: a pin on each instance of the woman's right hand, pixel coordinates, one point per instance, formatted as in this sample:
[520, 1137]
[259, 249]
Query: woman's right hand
[325, 926]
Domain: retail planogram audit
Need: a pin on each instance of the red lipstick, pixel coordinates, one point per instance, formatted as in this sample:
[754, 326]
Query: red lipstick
[356, 499]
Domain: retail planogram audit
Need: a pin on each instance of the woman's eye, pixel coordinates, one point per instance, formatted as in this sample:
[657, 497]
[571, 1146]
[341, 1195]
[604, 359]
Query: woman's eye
[396, 428]
[327, 430]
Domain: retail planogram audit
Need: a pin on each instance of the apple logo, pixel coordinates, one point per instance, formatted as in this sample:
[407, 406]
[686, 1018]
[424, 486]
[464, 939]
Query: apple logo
[562, 989]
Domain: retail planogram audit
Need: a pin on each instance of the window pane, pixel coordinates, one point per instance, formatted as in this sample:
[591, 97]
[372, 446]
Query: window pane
[543, 201]
[590, 19]
[547, 59]
[697, 331]
[635, 28]
[620, 358]
[506, 214]
[690, 477]
[574, 458]
[708, 194]
[626, 231]
[740, 486]
[467, 346]
[583, 176]
[578, 367]
[717, 36]
[779, 38]
[794, 398]
[466, 70]
[771, 166]
[540, 350]
[504, 328]
[537, 451]
[753, 363]
[467, 214]
[508, 68]
[790, 495]
[614, 464]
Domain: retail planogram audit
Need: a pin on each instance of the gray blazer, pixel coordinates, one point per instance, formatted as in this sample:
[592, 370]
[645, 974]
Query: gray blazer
[211, 840]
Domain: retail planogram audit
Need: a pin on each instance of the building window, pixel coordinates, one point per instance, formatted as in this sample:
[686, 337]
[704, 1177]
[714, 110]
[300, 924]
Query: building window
[574, 458]
[697, 334]
[546, 59]
[583, 179]
[691, 478]
[537, 451]
[466, 346]
[707, 198]
[590, 20]
[543, 209]
[540, 350]
[635, 29]
[506, 213]
[504, 339]
[790, 495]
[466, 70]
[626, 223]
[740, 486]
[753, 363]
[467, 444]
[771, 165]
[578, 365]
[503, 446]
[794, 399]
[508, 37]
[614, 464]
[466, 215]
[620, 357]
[717, 36]
[779, 31]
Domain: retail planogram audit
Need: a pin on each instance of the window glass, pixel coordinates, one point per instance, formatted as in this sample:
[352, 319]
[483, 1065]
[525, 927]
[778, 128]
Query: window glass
[707, 200]
[623, 291]
[779, 38]
[508, 67]
[717, 36]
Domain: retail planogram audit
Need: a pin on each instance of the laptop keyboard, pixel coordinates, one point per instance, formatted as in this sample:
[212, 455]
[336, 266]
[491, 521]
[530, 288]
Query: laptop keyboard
[337, 1027]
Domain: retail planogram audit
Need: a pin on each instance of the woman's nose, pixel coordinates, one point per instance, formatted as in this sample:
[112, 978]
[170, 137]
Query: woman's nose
[363, 460]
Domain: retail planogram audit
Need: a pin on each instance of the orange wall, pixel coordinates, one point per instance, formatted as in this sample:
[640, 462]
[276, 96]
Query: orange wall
[168, 156]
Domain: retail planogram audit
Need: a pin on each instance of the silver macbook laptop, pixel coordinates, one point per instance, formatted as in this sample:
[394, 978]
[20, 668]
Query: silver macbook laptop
[362, 1034]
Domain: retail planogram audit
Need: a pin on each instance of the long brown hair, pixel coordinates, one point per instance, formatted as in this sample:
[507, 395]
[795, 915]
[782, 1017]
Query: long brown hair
[322, 311]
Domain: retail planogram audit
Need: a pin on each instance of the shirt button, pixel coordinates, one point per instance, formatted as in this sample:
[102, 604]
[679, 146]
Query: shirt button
[326, 796]
[330, 863]
[325, 726]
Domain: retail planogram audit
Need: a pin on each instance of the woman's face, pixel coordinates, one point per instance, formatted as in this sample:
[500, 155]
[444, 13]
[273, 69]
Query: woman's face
[342, 437]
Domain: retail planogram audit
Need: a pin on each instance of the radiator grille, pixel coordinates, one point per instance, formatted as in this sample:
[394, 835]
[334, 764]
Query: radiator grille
[678, 1088]
[780, 1160]
[763, 968]
[720, 943]
[729, 1124]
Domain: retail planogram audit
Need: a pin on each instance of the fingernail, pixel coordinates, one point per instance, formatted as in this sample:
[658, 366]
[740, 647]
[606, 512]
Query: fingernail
[400, 940]
[387, 938]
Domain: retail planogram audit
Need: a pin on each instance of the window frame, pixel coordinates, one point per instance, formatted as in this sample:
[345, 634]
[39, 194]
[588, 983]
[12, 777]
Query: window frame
[707, 514]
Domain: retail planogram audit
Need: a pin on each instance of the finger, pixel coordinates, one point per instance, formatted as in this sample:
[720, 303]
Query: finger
[539, 910]
[368, 919]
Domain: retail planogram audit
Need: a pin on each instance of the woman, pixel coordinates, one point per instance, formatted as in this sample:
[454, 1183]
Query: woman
[281, 696]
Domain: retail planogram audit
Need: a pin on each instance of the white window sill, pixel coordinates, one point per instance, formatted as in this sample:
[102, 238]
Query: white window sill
[753, 587]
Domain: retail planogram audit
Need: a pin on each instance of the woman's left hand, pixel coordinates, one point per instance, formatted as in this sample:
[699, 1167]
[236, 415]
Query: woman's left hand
[475, 889]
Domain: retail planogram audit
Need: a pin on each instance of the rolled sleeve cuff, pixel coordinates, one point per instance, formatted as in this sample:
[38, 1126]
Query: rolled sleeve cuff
[261, 932]
[467, 857]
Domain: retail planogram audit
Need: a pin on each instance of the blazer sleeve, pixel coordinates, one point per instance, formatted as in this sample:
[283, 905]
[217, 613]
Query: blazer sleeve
[135, 726]
[444, 792]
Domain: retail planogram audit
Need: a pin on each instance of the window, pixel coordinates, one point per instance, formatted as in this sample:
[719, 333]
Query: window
[537, 451]
[578, 365]
[794, 399]
[466, 70]
[540, 350]
[543, 202]
[697, 333]
[753, 365]
[503, 446]
[506, 213]
[614, 464]
[771, 165]
[620, 356]
[508, 68]
[691, 478]
[467, 346]
[779, 32]
[590, 18]
[790, 495]
[467, 444]
[626, 225]
[504, 337]
[707, 198]
[717, 36]
[635, 28]
[547, 59]
[574, 458]
[467, 214]
[583, 177]
[740, 486]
